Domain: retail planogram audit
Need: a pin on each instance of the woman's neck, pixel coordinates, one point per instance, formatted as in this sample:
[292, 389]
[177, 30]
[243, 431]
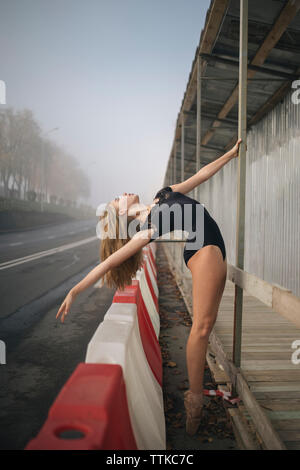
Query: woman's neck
[144, 214]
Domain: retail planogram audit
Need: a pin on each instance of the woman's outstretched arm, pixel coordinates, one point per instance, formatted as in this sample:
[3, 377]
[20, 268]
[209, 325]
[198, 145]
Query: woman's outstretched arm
[138, 241]
[207, 171]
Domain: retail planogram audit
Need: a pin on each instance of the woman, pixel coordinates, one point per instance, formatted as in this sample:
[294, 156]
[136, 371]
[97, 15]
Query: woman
[122, 257]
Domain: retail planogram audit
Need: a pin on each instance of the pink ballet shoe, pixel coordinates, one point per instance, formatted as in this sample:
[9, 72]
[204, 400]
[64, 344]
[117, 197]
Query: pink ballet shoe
[194, 409]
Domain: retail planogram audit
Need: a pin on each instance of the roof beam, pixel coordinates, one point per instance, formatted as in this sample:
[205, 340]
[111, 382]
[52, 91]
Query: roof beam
[191, 160]
[213, 23]
[287, 14]
[267, 107]
[193, 142]
[233, 122]
[235, 63]
[271, 102]
[213, 116]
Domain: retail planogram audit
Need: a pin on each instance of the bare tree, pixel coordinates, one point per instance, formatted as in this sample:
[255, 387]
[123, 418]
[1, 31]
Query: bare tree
[21, 165]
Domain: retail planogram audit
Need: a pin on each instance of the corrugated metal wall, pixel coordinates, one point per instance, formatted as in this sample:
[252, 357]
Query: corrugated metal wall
[272, 227]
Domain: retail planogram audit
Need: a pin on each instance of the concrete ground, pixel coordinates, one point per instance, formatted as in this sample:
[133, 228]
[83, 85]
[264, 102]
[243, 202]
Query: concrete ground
[215, 433]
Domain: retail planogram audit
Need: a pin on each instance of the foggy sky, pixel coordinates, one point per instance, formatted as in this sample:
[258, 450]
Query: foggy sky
[111, 74]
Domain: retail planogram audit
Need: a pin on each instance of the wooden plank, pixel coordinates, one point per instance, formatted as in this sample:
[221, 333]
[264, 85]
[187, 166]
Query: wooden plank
[228, 365]
[287, 304]
[288, 12]
[261, 420]
[293, 445]
[267, 376]
[261, 355]
[258, 344]
[277, 394]
[208, 37]
[290, 435]
[280, 405]
[273, 329]
[271, 103]
[256, 333]
[268, 366]
[240, 429]
[219, 375]
[275, 415]
[268, 351]
[287, 424]
[256, 437]
[212, 25]
[280, 299]
[274, 386]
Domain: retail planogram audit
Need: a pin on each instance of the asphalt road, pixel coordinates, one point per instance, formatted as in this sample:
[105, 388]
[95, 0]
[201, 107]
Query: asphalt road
[42, 352]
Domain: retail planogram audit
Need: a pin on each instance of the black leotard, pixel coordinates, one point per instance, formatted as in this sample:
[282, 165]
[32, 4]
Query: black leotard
[167, 197]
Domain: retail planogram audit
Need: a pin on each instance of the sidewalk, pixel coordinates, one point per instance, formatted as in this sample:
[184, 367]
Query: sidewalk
[215, 433]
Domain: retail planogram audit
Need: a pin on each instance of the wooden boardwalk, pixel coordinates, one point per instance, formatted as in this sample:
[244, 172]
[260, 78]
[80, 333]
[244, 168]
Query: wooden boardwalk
[266, 361]
[268, 382]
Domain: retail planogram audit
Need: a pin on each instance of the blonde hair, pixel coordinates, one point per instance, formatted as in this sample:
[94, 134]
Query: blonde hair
[114, 224]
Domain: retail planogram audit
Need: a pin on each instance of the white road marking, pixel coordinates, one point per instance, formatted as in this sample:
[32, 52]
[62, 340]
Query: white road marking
[41, 254]
[51, 236]
[75, 259]
[16, 243]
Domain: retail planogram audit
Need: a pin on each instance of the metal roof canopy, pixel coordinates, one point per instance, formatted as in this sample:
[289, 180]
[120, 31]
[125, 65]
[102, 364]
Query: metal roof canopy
[274, 63]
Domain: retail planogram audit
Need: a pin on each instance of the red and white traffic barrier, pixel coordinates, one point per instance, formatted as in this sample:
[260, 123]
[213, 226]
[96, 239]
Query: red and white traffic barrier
[152, 275]
[149, 299]
[151, 283]
[149, 254]
[115, 398]
[117, 340]
[132, 294]
[92, 409]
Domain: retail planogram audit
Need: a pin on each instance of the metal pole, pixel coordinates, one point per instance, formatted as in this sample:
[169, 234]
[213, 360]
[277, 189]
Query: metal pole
[182, 165]
[173, 181]
[241, 179]
[182, 147]
[175, 159]
[198, 138]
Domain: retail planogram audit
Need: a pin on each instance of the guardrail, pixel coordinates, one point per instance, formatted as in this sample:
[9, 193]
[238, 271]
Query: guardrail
[114, 400]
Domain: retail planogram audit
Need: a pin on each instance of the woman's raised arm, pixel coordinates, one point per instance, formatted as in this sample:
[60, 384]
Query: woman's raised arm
[206, 172]
[138, 241]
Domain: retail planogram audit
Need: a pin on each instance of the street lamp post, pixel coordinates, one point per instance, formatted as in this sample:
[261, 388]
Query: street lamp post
[43, 164]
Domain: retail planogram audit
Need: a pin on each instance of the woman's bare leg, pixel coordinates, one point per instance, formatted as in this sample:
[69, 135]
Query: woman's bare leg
[209, 272]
